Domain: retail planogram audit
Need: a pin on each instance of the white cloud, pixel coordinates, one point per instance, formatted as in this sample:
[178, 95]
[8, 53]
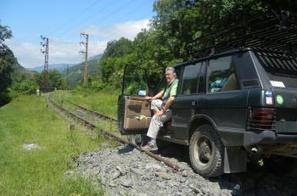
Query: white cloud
[127, 29]
[28, 54]
[61, 51]
[68, 52]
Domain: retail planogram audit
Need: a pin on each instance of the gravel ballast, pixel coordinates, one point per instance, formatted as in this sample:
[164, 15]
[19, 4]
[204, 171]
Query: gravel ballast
[127, 171]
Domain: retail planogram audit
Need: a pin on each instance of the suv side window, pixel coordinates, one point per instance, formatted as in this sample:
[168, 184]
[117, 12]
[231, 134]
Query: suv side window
[221, 75]
[190, 79]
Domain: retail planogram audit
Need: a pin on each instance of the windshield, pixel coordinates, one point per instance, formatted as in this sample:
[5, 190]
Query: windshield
[133, 80]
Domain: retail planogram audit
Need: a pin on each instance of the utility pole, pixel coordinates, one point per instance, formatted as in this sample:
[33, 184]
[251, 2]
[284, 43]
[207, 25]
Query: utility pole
[45, 50]
[85, 43]
[67, 75]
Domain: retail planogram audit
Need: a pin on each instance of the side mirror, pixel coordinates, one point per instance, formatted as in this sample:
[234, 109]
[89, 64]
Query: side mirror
[142, 93]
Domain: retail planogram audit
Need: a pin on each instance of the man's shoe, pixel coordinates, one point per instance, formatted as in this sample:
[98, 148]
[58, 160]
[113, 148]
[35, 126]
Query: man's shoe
[150, 147]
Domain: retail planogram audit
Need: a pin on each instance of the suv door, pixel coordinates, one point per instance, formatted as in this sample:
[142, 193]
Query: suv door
[225, 103]
[133, 110]
[186, 102]
[134, 114]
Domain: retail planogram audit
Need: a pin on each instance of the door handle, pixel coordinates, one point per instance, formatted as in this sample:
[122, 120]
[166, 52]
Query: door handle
[194, 103]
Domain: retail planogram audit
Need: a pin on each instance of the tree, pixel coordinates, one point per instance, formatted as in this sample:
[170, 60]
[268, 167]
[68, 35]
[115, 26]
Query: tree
[25, 86]
[56, 80]
[5, 33]
[7, 59]
[152, 56]
[187, 25]
[116, 55]
[179, 29]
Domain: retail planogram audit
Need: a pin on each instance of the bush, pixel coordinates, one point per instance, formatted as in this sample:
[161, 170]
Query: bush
[4, 98]
[25, 87]
[96, 86]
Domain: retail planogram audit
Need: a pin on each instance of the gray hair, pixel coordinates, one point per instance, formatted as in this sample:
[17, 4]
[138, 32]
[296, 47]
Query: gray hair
[171, 69]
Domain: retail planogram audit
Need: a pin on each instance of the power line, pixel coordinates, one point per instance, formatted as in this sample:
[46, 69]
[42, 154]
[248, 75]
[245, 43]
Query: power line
[110, 14]
[94, 16]
[125, 12]
[116, 11]
[75, 17]
[80, 20]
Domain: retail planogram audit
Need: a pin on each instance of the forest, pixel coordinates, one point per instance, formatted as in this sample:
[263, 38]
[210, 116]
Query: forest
[178, 29]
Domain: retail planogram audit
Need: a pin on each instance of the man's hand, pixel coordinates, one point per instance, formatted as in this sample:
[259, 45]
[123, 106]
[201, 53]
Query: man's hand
[159, 113]
[157, 96]
[148, 98]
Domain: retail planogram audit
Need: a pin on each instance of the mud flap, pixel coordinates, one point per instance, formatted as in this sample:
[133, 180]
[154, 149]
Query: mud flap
[235, 160]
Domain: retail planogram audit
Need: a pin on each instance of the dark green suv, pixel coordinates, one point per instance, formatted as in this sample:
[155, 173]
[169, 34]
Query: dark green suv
[229, 106]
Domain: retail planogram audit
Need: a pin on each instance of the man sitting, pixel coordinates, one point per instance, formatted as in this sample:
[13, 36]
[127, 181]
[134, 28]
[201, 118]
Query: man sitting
[160, 104]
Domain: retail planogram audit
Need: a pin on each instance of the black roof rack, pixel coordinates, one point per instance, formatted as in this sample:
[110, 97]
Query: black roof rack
[269, 30]
[277, 61]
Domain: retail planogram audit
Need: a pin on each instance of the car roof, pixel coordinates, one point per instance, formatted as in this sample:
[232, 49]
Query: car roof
[212, 56]
[233, 51]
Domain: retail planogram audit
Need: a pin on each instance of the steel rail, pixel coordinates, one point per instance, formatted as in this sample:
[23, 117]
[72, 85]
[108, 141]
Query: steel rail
[103, 116]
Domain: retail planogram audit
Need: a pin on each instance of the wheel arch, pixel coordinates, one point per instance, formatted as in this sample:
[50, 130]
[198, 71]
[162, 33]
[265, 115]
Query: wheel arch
[199, 120]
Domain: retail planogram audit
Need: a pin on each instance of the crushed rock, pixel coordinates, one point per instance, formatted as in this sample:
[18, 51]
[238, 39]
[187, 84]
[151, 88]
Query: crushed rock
[130, 172]
[126, 171]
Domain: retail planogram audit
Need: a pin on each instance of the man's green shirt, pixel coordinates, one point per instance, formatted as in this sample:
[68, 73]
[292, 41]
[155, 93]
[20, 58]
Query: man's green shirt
[170, 89]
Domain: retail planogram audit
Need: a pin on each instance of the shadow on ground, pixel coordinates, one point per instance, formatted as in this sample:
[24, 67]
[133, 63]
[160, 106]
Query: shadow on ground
[278, 176]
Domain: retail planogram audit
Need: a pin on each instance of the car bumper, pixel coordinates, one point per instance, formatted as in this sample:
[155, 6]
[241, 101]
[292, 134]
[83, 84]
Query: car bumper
[249, 138]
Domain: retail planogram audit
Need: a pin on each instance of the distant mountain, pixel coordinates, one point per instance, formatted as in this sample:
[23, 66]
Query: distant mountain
[59, 67]
[75, 73]
[96, 57]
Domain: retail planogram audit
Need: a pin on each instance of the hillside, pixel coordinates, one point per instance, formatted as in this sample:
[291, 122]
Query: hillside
[20, 72]
[59, 67]
[74, 74]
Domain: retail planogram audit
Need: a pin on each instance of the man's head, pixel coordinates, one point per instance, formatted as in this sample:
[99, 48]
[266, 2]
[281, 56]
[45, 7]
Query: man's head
[170, 74]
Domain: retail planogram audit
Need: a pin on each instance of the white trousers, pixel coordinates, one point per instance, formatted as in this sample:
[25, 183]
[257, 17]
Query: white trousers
[157, 121]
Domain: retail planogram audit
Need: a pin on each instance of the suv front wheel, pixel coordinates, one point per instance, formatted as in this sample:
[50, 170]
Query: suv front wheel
[206, 152]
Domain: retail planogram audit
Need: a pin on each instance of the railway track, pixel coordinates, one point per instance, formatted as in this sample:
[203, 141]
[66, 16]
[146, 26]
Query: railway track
[108, 134]
[94, 113]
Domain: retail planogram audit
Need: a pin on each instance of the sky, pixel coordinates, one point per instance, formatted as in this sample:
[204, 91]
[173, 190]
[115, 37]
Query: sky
[62, 21]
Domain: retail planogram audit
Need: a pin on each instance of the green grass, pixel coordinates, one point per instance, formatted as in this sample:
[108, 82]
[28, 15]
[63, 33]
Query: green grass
[40, 171]
[104, 101]
[60, 97]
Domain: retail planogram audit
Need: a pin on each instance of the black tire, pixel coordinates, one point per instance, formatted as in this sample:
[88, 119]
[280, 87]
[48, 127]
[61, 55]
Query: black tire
[206, 152]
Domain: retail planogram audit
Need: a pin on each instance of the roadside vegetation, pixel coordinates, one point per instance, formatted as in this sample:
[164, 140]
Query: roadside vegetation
[40, 171]
[103, 101]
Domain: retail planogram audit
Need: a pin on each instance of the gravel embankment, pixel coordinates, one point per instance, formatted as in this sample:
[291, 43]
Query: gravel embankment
[127, 171]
